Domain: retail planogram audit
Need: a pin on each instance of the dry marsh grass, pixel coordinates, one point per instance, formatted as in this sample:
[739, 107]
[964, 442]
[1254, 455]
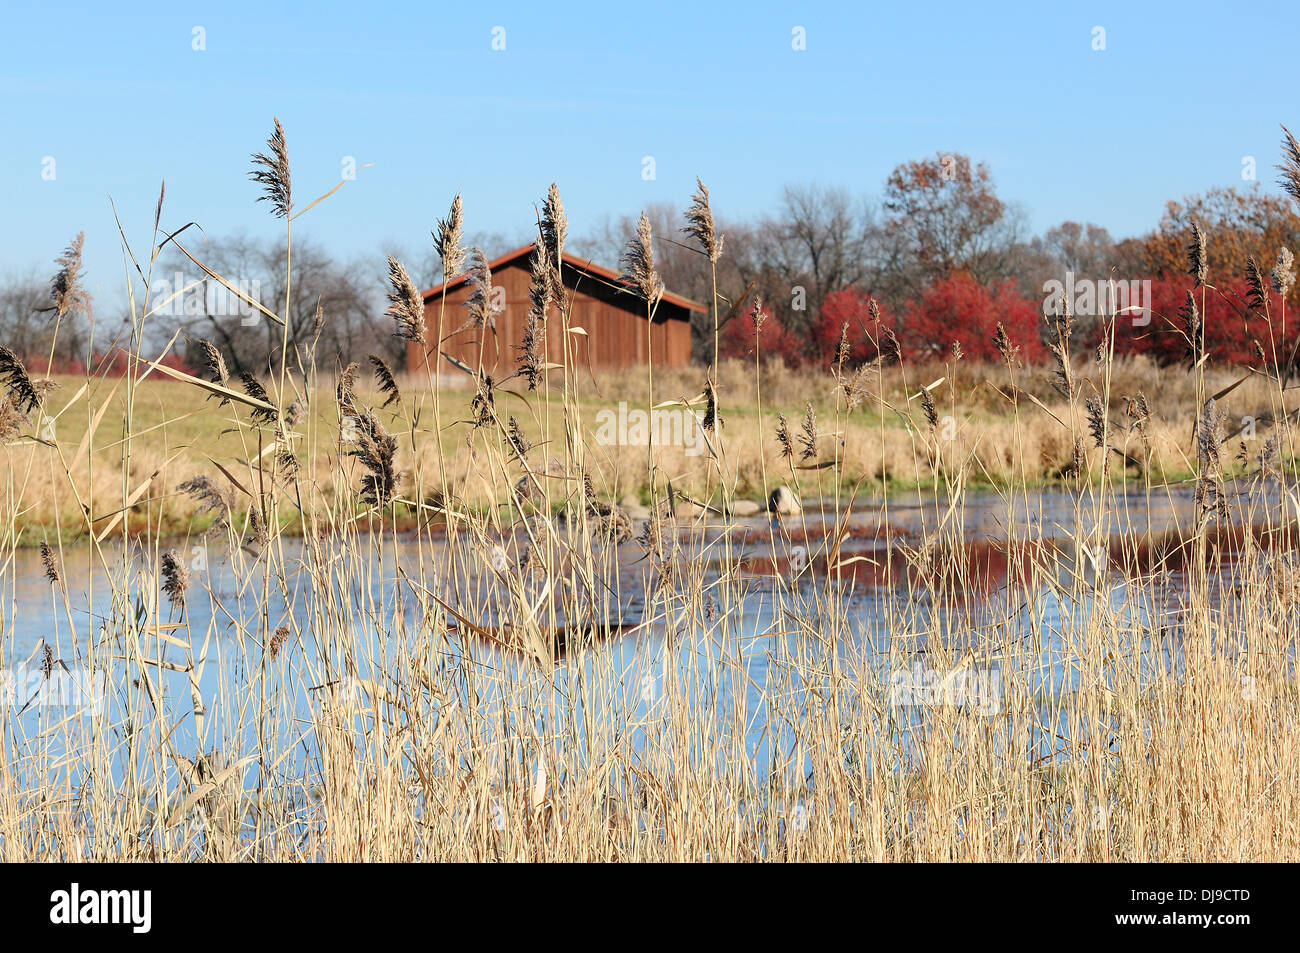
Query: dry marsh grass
[183, 428]
[435, 636]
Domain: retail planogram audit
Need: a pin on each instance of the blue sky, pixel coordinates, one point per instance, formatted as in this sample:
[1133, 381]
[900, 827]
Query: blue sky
[582, 92]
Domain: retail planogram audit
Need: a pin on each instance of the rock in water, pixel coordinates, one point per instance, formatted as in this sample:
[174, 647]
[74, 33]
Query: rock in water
[783, 502]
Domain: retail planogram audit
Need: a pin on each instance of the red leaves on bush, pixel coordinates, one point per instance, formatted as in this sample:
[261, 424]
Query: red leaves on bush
[958, 308]
[1231, 327]
[737, 339]
[849, 306]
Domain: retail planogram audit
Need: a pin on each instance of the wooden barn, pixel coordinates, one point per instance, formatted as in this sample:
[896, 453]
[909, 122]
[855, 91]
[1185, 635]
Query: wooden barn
[613, 317]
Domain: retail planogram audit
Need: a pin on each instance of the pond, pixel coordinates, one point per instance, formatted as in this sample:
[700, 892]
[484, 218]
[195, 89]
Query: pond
[927, 603]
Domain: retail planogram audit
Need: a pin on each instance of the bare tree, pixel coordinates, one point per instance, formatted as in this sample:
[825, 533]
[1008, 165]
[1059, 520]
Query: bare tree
[22, 329]
[1082, 249]
[944, 215]
[822, 239]
[347, 297]
[27, 323]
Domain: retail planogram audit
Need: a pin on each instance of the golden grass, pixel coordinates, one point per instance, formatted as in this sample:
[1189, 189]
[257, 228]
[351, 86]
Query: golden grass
[183, 430]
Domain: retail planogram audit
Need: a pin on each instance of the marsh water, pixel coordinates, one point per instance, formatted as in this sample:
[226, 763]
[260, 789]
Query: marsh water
[1032, 571]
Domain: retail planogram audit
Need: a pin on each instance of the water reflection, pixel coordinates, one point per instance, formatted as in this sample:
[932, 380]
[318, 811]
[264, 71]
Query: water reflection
[929, 611]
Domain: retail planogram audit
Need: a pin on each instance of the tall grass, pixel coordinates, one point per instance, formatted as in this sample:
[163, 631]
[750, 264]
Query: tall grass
[428, 631]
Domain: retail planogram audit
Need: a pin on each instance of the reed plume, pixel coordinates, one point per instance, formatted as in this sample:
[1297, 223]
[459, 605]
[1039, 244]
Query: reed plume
[931, 413]
[1210, 498]
[253, 387]
[614, 523]
[530, 352]
[1078, 460]
[540, 290]
[67, 293]
[257, 536]
[176, 578]
[278, 638]
[1256, 296]
[1268, 457]
[205, 492]
[215, 364]
[1197, 263]
[23, 392]
[272, 173]
[639, 263]
[208, 498]
[287, 462]
[345, 391]
[1283, 274]
[656, 536]
[842, 350]
[1096, 421]
[553, 226]
[539, 296]
[1290, 166]
[377, 451]
[447, 239]
[711, 420]
[1002, 342]
[293, 413]
[50, 560]
[1140, 412]
[12, 420]
[783, 437]
[1193, 328]
[854, 386]
[518, 442]
[479, 304]
[891, 351]
[522, 492]
[483, 403]
[1062, 325]
[1209, 435]
[407, 303]
[699, 224]
[385, 381]
[808, 435]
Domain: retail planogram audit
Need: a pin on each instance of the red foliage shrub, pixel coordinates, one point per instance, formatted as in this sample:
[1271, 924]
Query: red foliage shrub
[958, 308]
[112, 364]
[849, 306]
[737, 339]
[1231, 327]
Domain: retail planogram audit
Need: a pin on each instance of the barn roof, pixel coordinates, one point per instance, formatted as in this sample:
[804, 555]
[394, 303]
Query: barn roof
[582, 265]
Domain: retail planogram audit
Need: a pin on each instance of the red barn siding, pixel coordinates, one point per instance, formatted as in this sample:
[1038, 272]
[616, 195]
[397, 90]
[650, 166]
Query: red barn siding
[614, 319]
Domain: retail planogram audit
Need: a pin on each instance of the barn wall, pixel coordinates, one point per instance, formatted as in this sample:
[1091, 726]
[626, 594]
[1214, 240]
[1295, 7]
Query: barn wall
[614, 321]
